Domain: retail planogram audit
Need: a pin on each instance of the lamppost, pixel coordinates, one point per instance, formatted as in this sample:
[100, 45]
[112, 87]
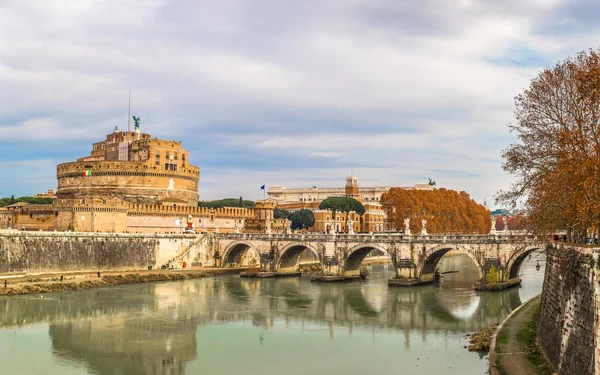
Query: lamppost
[88, 173]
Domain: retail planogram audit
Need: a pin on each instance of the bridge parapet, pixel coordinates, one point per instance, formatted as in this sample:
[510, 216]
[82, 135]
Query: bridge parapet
[379, 237]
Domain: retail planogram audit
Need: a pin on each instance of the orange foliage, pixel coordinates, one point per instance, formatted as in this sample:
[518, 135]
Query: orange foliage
[518, 222]
[446, 211]
[556, 160]
[499, 222]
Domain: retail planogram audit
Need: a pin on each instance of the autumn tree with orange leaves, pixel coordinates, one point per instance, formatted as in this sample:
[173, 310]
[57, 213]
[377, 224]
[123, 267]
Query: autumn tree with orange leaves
[556, 159]
[446, 211]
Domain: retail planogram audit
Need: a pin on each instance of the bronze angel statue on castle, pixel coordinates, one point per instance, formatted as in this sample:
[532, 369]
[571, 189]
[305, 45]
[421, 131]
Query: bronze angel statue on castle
[137, 121]
[431, 183]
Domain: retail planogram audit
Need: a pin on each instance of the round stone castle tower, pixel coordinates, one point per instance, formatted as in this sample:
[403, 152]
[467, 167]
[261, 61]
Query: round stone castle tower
[134, 167]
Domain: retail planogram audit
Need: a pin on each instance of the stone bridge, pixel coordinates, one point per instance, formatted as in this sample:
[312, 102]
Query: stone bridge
[416, 257]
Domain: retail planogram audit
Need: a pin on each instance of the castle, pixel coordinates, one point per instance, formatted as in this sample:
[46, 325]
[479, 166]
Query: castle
[134, 183]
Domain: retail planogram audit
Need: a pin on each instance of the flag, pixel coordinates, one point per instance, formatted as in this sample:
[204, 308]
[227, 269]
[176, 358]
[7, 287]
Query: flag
[87, 172]
[262, 187]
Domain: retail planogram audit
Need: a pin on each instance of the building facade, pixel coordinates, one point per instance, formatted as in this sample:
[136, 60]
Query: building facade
[373, 220]
[133, 183]
[281, 194]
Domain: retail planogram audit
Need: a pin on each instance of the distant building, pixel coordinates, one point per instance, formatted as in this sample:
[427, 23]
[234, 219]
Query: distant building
[500, 212]
[51, 193]
[373, 220]
[281, 194]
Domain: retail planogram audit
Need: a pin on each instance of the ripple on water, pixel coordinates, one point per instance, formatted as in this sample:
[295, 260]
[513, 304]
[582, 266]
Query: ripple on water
[227, 324]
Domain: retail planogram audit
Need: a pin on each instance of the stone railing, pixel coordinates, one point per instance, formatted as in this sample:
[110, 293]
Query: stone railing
[59, 234]
[224, 212]
[375, 237]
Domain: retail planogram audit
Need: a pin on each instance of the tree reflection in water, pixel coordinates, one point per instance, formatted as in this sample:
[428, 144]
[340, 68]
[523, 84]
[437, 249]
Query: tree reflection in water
[152, 328]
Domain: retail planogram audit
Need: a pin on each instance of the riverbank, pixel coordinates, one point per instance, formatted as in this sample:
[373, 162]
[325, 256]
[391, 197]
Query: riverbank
[49, 283]
[514, 349]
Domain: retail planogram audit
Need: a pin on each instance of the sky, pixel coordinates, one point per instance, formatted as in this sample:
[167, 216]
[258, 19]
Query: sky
[296, 93]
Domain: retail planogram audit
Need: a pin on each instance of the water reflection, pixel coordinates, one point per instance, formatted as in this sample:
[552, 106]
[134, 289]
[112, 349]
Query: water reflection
[153, 328]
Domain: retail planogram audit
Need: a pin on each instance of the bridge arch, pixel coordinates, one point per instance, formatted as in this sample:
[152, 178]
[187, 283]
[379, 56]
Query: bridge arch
[433, 256]
[516, 260]
[358, 253]
[235, 252]
[290, 254]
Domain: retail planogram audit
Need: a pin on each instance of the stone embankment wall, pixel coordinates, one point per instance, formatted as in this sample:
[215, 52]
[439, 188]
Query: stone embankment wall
[568, 323]
[33, 252]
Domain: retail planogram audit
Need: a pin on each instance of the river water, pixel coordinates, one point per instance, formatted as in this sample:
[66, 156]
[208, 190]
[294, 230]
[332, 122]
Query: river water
[228, 325]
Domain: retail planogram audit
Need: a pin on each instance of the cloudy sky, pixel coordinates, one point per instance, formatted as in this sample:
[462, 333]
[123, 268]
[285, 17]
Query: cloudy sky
[277, 92]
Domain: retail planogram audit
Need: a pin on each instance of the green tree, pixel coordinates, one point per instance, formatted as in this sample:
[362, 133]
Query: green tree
[33, 200]
[227, 202]
[241, 203]
[302, 219]
[493, 276]
[343, 204]
[278, 213]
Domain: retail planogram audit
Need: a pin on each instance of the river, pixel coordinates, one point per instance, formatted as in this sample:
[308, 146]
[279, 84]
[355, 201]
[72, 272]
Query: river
[228, 325]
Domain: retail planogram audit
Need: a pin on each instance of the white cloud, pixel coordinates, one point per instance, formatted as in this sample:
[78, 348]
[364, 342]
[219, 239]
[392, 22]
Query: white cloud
[276, 90]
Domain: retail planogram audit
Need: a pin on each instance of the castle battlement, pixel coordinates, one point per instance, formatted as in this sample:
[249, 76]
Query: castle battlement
[90, 204]
[123, 168]
[164, 210]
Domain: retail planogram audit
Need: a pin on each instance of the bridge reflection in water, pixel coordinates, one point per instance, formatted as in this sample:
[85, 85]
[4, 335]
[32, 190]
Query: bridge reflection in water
[154, 328]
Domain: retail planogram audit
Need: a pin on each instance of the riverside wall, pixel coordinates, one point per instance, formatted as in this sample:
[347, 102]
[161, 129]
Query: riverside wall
[37, 252]
[568, 322]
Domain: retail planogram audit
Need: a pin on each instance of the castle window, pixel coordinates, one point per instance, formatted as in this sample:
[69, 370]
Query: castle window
[170, 166]
[175, 156]
[157, 154]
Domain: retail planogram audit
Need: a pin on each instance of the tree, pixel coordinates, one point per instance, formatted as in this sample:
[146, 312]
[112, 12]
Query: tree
[499, 223]
[556, 159]
[278, 213]
[302, 219]
[445, 210]
[343, 204]
[227, 202]
[517, 222]
[241, 203]
[12, 200]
